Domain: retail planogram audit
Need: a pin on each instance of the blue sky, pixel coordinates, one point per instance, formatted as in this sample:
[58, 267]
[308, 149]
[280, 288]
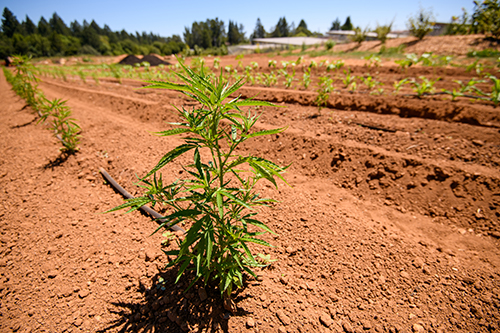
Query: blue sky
[170, 17]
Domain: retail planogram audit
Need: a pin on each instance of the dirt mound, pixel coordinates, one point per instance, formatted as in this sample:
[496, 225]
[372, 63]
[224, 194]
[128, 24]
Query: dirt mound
[130, 60]
[444, 45]
[154, 60]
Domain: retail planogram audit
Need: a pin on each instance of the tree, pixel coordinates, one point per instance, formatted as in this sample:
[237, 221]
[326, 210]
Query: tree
[28, 26]
[347, 25]
[421, 24]
[57, 25]
[10, 24]
[259, 31]
[335, 24]
[235, 33]
[302, 29]
[486, 18]
[44, 27]
[282, 29]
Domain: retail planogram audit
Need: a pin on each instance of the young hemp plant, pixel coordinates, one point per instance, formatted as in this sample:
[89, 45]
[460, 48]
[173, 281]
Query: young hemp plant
[218, 199]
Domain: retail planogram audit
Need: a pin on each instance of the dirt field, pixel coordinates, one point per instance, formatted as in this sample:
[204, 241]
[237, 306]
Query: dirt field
[391, 223]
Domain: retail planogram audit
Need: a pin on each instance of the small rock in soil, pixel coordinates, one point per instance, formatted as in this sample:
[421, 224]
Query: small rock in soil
[478, 143]
[405, 275]
[283, 317]
[325, 319]
[418, 328]
[418, 262]
[250, 322]
[202, 293]
[83, 293]
[78, 322]
[52, 274]
[347, 327]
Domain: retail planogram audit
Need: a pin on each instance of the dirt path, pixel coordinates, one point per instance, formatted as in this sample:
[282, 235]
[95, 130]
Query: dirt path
[382, 231]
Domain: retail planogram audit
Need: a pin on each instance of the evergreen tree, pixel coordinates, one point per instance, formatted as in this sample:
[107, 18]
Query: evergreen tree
[347, 25]
[259, 31]
[335, 24]
[29, 26]
[235, 33]
[302, 29]
[281, 29]
[10, 24]
[58, 26]
[44, 27]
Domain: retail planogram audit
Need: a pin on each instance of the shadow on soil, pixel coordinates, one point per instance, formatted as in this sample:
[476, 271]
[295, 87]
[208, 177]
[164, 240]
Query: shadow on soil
[168, 307]
[24, 125]
[58, 161]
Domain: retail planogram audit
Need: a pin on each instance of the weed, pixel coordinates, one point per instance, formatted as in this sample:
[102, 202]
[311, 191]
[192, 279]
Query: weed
[218, 198]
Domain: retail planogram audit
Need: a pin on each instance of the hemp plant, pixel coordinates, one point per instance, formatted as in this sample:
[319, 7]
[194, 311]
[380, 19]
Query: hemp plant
[218, 199]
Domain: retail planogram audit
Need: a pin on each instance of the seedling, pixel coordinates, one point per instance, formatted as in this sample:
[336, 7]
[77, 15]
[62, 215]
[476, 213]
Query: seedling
[272, 63]
[306, 78]
[426, 87]
[64, 127]
[370, 82]
[399, 84]
[348, 79]
[373, 61]
[495, 93]
[218, 198]
[335, 65]
[468, 87]
[324, 89]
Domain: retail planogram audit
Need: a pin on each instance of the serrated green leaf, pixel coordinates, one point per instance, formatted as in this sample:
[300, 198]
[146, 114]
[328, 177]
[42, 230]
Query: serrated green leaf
[266, 132]
[173, 131]
[170, 156]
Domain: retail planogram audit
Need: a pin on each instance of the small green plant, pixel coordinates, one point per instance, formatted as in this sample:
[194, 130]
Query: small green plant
[61, 123]
[306, 78]
[495, 93]
[218, 198]
[348, 78]
[373, 61]
[325, 87]
[477, 66]
[216, 63]
[335, 65]
[465, 88]
[399, 84]
[425, 87]
[411, 59]
[82, 76]
[330, 44]
[272, 63]
[370, 82]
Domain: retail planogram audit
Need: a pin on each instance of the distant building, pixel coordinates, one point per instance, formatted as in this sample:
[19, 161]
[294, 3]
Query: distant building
[344, 35]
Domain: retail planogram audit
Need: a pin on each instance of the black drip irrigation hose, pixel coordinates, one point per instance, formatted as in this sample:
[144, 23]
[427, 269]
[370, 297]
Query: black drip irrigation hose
[158, 217]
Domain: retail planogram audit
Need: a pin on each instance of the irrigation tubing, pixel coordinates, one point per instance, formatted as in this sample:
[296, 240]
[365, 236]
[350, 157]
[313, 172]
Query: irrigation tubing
[158, 217]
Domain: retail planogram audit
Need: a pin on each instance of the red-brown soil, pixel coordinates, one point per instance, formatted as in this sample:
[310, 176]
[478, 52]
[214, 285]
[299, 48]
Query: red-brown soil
[391, 223]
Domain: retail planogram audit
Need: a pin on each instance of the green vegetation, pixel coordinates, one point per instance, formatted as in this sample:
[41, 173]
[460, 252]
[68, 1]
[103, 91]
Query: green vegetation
[218, 197]
[421, 24]
[55, 38]
[55, 113]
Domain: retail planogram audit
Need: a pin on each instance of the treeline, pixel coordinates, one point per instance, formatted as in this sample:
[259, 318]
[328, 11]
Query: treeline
[55, 38]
